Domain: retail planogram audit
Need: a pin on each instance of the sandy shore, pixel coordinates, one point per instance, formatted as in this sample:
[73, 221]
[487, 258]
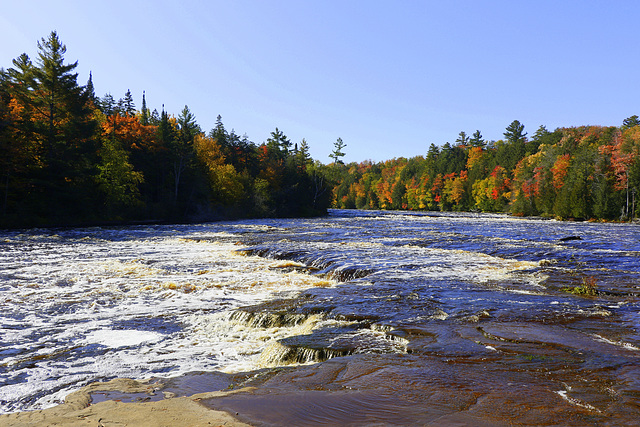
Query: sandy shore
[79, 411]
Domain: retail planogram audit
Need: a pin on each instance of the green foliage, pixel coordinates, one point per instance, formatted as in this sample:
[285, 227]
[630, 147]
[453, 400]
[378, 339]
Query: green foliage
[337, 154]
[116, 178]
[68, 157]
[578, 173]
[588, 287]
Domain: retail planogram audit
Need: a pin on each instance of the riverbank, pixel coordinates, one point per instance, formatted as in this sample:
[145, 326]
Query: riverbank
[79, 409]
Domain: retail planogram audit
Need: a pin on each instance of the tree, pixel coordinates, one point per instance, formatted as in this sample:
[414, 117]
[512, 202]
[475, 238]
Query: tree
[477, 140]
[90, 91]
[144, 111]
[116, 177]
[57, 96]
[108, 105]
[515, 132]
[463, 139]
[337, 154]
[630, 122]
[62, 128]
[188, 126]
[181, 146]
[508, 154]
[67, 157]
[303, 158]
[126, 104]
[279, 144]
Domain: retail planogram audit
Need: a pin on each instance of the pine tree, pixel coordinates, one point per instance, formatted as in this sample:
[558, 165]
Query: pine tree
[90, 91]
[144, 111]
[463, 139]
[108, 105]
[515, 132]
[337, 154]
[304, 158]
[55, 130]
[64, 122]
[278, 142]
[630, 122]
[515, 150]
[128, 106]
[477, 140]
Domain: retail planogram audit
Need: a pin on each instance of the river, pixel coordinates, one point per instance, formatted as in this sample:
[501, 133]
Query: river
[497, 317]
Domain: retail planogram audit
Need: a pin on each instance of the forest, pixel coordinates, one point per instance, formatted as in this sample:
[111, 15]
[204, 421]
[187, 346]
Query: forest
[580, 173]
[68, 157]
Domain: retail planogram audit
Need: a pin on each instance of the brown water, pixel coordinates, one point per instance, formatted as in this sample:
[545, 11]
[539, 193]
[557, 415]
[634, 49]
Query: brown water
[399, 319]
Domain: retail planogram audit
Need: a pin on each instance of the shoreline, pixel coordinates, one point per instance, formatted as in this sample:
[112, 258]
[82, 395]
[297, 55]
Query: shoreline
[80, 410]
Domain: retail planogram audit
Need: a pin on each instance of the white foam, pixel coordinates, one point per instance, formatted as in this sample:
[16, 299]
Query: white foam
[122, 338]
[621, 344]
[576, 402]
[92, 291]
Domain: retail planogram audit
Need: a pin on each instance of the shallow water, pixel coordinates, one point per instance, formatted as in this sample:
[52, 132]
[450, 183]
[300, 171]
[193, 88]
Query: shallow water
[468, 302]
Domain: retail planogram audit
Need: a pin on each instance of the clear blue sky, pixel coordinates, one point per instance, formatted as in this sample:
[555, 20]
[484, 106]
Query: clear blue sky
[388, 77]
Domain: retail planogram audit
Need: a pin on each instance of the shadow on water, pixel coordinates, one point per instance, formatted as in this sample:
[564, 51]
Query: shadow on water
[525, 347]
[431, 319]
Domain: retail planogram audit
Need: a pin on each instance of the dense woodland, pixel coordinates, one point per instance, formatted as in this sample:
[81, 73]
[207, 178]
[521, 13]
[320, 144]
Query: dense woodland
[70, 157]
[588, 172]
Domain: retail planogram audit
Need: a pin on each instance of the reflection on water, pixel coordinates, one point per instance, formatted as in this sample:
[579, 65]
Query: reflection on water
[415, 318]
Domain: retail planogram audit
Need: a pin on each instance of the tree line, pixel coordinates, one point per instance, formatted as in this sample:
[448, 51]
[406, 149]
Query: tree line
[586, 172]
[70, 157]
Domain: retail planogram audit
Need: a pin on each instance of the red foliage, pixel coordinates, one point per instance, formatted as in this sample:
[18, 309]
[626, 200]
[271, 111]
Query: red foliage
[559, 170]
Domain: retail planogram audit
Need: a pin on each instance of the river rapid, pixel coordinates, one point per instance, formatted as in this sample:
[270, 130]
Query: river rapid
[363, 316]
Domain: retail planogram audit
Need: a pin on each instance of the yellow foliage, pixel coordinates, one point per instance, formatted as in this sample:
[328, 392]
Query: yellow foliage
[225, 181]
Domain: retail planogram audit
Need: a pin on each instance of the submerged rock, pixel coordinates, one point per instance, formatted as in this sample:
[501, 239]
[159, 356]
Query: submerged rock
[569, 238]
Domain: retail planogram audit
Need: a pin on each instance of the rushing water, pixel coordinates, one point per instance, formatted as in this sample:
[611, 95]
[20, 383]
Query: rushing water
[476, 303]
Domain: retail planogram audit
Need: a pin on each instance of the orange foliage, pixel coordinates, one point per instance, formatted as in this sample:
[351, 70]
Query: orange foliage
[130, 132]
[559, 170]
[475, 155]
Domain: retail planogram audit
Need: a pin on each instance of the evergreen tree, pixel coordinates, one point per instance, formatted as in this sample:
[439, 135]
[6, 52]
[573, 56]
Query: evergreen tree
[630, 122]
[515, 132]
[302, 155]
[515, 150]
[463, 139]
[108, 105]
[219, 133]
[337, 154]
[90, 91]
[279, 144]
[64, 125]
[128, 106]
[477, 140]
[155, 118]
[432, 157]
[189, 128]
[144, 111]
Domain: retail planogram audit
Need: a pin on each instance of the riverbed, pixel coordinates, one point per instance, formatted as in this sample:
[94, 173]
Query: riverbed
[372, 316]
